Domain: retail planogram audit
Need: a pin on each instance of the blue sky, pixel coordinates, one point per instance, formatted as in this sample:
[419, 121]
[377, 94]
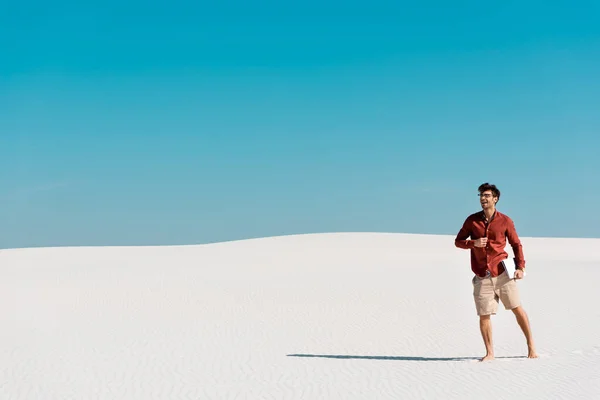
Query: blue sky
[137, 124]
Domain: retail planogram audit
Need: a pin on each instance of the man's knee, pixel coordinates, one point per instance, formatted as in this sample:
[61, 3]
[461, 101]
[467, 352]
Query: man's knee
[517, 310]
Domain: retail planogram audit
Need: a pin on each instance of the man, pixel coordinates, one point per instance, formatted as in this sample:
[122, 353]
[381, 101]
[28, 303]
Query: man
[484, 233]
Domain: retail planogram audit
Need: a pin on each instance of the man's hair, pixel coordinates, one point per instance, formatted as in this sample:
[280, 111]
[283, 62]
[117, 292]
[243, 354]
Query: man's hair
[486, 186]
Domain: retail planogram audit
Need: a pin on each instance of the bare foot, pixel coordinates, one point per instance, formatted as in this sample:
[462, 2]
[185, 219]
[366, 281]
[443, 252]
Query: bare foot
[532, 353]
[488, 357]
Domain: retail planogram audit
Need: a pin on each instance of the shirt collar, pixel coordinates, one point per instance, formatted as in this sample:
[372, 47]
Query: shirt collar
[493, 215]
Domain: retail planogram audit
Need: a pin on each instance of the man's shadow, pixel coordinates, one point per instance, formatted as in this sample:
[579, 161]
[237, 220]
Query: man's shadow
[395, 358]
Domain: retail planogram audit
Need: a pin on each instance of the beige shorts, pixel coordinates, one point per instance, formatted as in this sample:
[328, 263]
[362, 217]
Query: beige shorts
[487, 291]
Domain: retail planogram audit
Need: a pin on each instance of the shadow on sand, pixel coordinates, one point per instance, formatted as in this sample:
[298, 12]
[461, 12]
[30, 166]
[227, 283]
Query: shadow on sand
[396, 358]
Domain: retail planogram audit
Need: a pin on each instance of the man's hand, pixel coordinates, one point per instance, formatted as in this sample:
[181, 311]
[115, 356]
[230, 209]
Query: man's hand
[519, 274]
[481, 242]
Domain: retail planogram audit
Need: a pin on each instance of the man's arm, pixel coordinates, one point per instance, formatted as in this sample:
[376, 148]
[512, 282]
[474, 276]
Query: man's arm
[462, 238]
[515, 243]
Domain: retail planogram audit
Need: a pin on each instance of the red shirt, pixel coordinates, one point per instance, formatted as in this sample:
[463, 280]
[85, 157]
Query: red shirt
[489, 258]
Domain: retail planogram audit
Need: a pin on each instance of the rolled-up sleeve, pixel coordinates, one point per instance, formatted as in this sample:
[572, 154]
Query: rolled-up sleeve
[515, 243]
[462, 238]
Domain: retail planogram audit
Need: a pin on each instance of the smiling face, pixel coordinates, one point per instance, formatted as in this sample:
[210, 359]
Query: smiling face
[487, 199]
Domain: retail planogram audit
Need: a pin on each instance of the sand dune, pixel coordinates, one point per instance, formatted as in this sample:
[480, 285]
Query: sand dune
[324, 316]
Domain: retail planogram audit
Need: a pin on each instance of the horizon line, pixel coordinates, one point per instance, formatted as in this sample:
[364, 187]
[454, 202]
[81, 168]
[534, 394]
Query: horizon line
[324, 233]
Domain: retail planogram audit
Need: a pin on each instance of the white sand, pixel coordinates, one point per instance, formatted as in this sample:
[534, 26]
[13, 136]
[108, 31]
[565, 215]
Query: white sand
[327, 316]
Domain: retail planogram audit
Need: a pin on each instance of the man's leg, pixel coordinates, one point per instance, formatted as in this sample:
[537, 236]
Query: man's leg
[486, 303]
[509, 293]
[523, 321]
[485, 325]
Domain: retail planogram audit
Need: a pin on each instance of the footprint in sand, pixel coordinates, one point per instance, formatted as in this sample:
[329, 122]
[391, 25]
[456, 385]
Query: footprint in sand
[595, 350]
